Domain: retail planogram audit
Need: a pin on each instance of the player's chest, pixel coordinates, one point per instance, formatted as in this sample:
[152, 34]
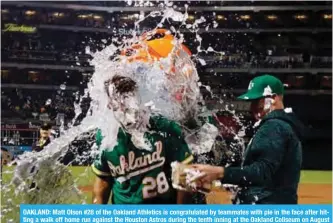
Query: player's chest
[127, 159]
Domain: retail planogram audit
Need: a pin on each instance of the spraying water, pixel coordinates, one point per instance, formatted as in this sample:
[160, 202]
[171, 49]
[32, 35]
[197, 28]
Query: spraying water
[168, 85]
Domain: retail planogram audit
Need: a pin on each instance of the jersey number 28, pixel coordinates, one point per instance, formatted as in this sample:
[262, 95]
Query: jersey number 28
[153, 186]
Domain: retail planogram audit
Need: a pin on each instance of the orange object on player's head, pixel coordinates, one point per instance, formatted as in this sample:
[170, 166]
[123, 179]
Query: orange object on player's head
[152, 46]
[158, 44]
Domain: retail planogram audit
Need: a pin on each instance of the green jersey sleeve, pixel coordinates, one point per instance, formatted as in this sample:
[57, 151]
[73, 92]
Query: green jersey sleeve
[100, 166]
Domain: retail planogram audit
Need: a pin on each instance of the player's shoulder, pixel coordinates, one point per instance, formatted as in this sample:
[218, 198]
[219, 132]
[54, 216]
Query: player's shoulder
[121, 136]
[120, 147]
[162, 124]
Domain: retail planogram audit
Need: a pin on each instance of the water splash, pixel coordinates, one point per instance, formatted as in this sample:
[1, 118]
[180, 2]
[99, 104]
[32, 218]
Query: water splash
[170, 93]
[40, 177]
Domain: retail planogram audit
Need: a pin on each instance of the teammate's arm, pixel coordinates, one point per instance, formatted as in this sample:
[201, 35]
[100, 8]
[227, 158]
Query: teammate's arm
[184, 197]
[101, 190]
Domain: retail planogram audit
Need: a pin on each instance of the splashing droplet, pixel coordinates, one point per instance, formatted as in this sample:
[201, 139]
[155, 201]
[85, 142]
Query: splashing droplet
[210, 49]
[48, 101]
[63, 87]
[202, 61]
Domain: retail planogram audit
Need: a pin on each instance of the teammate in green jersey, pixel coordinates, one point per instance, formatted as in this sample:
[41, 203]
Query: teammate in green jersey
[138, 169]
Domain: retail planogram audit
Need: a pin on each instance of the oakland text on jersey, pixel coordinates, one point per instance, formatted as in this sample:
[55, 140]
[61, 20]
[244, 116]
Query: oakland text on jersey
[139, 175]
[137, 165]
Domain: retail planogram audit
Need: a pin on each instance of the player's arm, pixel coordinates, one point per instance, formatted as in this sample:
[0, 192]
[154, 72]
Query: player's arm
[103, 181]
[101, 190]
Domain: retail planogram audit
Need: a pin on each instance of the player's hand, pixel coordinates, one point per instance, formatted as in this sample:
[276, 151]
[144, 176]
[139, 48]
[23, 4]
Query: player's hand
[209, 173]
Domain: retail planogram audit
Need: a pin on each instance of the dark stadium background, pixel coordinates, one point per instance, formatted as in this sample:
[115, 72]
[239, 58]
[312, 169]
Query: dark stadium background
[292, 40]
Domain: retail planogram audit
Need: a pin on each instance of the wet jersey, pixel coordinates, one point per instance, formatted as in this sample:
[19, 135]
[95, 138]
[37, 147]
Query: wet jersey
[140, 176]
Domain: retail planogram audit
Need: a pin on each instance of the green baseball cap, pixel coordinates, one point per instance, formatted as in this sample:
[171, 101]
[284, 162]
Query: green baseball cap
[263, 86]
